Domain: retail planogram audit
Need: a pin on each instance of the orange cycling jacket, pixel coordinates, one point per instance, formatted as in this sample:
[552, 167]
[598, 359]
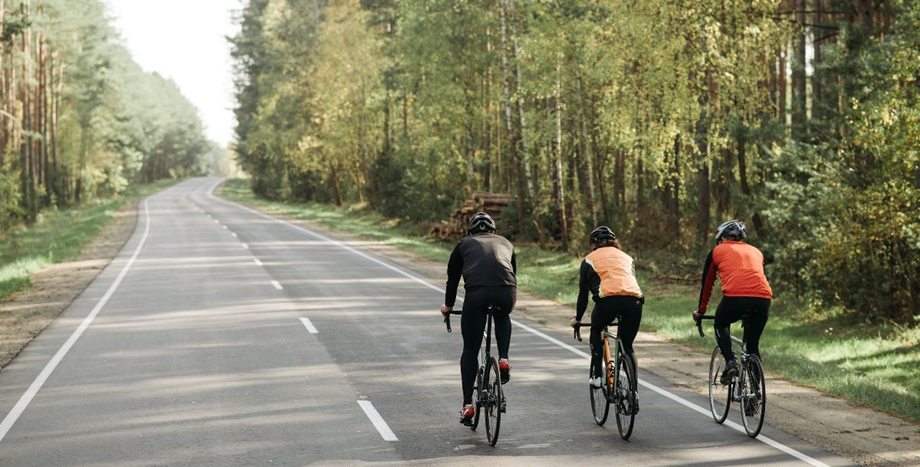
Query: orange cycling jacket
[606, 272]
[741, 268]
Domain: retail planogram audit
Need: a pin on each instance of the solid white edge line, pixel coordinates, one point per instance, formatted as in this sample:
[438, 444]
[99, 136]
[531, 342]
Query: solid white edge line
[277, 285]
[378, 421]
[674, 397]
[307, 324]
[36, 385]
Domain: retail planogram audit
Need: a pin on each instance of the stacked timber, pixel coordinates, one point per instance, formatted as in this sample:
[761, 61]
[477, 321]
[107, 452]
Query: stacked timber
[455, 229]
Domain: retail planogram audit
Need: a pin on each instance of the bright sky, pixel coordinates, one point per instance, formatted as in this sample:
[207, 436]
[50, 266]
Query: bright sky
[185, 40]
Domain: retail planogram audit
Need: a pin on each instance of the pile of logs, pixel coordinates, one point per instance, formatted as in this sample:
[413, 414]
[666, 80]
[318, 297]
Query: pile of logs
[455, 229]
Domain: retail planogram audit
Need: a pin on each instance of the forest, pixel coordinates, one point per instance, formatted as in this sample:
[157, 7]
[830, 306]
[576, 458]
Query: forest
[79, 118]
[659, 118]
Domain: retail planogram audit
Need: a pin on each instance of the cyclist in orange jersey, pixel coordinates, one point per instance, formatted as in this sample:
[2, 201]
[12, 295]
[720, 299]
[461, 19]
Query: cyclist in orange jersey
[745, 291]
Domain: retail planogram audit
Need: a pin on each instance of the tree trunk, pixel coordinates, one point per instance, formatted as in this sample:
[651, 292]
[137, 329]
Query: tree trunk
[799, 97]
[745, 187]
[335, 183]
[522, 132]
[512, 137]
[558, 188]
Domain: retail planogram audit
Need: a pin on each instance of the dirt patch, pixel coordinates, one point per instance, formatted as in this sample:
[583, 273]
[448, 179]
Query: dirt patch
[26, 313]
[864, 435]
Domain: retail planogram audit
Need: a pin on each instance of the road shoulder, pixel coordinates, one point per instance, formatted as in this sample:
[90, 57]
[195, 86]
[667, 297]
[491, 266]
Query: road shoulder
[25, 314]
[863, 435]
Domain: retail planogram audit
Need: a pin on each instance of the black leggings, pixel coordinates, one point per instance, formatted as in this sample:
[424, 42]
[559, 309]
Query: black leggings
[473, 324]
[733, 309]
[629, 309]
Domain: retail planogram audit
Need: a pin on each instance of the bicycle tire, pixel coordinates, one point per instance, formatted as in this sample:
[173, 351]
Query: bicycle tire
[492, 406]
[600, 404]
[625, 395]
[477, 391]
[753, 396]
[718, 392]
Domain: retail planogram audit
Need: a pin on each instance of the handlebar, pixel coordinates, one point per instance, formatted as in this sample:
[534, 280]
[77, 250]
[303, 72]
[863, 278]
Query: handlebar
[699, 323]
[578, 330]
[447, 319]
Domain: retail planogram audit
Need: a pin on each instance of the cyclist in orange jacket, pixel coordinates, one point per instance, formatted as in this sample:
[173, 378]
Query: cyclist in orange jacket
[745, 291]
[609, 275]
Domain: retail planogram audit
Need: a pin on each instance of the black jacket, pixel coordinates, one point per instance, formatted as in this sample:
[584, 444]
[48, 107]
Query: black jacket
[483, 259]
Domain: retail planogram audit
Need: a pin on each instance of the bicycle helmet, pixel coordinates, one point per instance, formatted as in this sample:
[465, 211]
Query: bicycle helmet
[731, 230]
[602, 233]
[481, 222]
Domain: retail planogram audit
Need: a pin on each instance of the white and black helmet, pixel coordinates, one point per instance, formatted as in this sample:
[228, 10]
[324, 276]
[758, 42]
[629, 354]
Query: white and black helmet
[481, 222]
[733, 229]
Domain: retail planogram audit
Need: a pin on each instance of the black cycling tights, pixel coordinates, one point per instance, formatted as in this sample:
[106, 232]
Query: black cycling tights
[473, 324]
[629, 309]
[733, 309]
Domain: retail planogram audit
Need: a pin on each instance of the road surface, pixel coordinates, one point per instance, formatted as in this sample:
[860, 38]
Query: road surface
[220, 336]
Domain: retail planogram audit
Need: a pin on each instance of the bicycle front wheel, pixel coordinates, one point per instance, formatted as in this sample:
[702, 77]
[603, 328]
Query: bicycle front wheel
[600, 405]
[494, 400]
[719, 394]
[625, 384]
[753, 396]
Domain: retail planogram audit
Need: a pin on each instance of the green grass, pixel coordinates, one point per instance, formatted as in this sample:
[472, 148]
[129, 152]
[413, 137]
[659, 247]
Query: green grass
[868, 364]
[58, 236]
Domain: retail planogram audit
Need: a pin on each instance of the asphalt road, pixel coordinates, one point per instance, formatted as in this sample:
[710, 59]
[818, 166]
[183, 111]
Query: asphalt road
[196, 346]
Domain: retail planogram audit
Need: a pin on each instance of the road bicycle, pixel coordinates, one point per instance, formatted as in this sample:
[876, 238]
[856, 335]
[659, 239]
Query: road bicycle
[618, 377]
[488, 390]
[748, 388]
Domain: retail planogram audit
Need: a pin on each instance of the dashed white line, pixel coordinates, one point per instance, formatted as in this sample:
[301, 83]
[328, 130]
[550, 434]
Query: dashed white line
[277, 285]
[36, 385]
[674, 397]
[245, 246]
[225, 227]
[233, 233]
[378, 421]
[257, 261]
[307, 324]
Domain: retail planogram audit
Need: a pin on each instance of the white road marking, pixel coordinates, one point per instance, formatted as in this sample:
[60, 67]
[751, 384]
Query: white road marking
[277, 285]
[676, 398]
[36, 385]
[245, 246]
[233, 233]
[307, 324]
[378, 421]
[224, 226]
[257, 261]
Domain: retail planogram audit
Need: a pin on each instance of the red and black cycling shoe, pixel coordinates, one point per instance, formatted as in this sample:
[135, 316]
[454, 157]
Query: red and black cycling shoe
[504, 368]
[466, 415]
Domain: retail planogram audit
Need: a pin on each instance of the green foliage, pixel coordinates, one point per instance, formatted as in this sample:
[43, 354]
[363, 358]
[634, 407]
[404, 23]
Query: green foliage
[657, 119]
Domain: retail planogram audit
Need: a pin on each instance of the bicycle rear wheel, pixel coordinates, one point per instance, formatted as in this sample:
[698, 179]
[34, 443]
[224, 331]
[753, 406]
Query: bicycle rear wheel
[493, 402]
[753, 396]
[625, 396]
[477, 391]
[719, 394]
[600, 405]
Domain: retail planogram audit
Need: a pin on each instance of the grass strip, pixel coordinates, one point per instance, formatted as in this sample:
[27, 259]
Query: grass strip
[59, 236]
[869, 364]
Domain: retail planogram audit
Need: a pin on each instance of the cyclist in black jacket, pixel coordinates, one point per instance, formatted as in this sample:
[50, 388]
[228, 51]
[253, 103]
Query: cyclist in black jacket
[486, 262]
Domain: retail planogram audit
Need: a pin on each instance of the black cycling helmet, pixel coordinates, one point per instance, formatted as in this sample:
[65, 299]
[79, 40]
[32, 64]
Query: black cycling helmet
[731, 230]
[481, 222]
[602, 233]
